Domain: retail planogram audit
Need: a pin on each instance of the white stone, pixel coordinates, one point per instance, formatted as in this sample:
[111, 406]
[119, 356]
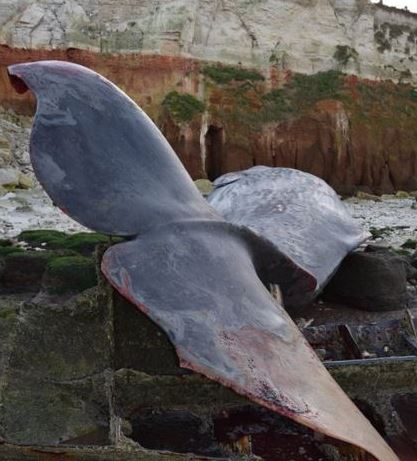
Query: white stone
[9, 177]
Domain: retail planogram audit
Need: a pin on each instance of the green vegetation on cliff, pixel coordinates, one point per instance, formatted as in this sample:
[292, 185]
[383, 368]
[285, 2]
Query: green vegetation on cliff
[226, 74]
[344, 54]
[305, 90]
[182, 107]
[351, 131]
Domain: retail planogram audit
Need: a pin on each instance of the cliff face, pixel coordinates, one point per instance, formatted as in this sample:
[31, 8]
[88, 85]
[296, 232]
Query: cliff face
[283, 95]
[304, 36]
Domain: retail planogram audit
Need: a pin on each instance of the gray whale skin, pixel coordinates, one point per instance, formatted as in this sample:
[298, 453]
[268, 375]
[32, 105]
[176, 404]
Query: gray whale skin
[200, 277]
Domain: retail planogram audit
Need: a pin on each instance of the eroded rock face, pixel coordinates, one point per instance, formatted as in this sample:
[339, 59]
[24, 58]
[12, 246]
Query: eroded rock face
[354, 35]
[358, 137]
[91, 370]
[355, 134]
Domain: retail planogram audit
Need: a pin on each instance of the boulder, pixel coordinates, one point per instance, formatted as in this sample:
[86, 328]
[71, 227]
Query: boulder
[205, 186]
[9, 177]
[25, 181]
[402, 194]
[22, 271]
[373, 281]
[366, 196]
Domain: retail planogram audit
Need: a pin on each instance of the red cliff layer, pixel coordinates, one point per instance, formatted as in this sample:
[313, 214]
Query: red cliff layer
[353, 133]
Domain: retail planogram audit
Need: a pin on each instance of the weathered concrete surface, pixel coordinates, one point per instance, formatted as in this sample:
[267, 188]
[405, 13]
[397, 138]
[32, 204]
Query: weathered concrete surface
[88, 369]
[55, 380]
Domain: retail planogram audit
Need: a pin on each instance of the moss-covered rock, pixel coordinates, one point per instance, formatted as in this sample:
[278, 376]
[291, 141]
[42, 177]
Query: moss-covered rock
[402, 194]
[365, 196]
[85, 242]
[380, 232]
[401, 252]
[205, 186]
[81, 242]
[67, 274]
[42, 237]
[6, 250]
[409, 244]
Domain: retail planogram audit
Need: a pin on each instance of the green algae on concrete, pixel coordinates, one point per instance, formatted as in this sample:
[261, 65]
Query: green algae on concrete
[41, 236]
[65, 266]
[6, 250]
[191, 392]
[69, 274]
[85, 242]
[23, 270]
[81, 242]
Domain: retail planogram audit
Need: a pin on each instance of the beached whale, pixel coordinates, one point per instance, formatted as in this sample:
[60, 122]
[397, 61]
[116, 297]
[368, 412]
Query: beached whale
[199, 277]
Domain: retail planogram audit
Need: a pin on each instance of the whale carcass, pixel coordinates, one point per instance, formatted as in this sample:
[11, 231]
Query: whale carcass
[201, 278]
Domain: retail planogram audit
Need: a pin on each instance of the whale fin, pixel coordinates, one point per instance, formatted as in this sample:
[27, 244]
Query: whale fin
[298, 212]
[99, 156]
[197, 281]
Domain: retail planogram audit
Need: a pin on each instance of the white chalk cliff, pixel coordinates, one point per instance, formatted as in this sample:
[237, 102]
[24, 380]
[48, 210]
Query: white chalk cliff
[306, 36]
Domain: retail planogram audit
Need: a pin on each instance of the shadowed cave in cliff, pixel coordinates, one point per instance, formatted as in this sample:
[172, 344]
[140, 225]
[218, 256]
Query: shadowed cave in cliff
[214, 152]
